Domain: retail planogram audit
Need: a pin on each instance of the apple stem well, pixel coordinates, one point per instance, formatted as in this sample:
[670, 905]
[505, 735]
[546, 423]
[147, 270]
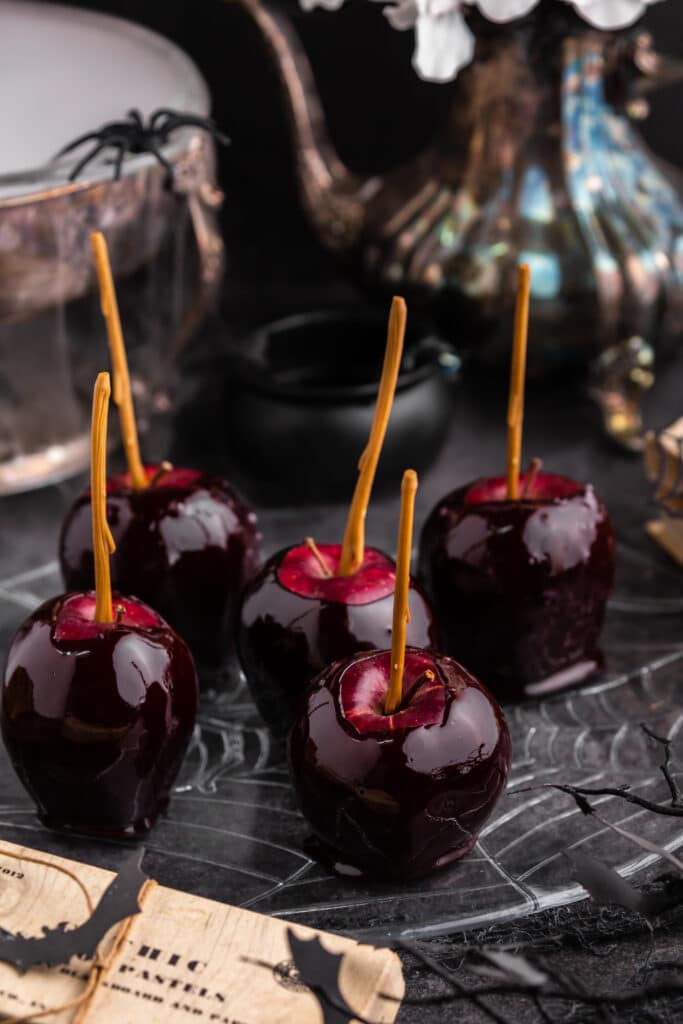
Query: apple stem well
[318, 555]
[401, 616]
[103, 542]
[353, 546]
[535, 467]
[162, 469]
[515, 417]
[122, 391]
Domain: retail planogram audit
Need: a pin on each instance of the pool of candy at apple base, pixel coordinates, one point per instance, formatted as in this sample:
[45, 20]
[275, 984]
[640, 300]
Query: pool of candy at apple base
[233, 831]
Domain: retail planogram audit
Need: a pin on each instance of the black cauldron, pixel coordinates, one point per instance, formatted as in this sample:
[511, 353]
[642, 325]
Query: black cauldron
[302, 398]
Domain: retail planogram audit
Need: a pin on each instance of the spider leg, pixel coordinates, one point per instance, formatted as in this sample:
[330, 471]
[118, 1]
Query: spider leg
[162, 112]
[76, 143]
[136, 117]
[90, 155]
[189, 120]
[177, 119]
[108, 130]
[120, 141]
[154, 149]
[118, 163]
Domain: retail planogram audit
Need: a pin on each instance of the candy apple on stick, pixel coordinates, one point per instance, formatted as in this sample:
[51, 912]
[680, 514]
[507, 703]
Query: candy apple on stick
[314, 603]
[99, 694]
[520, 567]
[398, 756]
[185, 543]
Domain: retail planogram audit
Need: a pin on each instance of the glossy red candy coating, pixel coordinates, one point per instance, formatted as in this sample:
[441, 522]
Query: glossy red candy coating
[301, 572]
[186, 545]
[520, 587]
[363, 692]
[76, 619]
[96, 717]
[294, 621]
[398, 796]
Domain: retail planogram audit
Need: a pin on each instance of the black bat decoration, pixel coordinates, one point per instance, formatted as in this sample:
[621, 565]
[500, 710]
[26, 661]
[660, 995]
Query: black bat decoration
[319, 971]
[57, 945]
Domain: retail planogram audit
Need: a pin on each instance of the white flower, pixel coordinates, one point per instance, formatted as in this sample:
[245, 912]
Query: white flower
[401, 15]
[611, 13]
[505, 10]
[443, 42]
[329, 5]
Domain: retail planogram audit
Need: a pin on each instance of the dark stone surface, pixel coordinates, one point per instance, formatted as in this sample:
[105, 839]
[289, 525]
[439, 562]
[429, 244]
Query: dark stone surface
[562, 428]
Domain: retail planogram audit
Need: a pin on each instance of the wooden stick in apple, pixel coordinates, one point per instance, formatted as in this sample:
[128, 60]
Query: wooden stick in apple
[103, 542]
[319, 557]
[353, 547]
[531, 476]
[122, 391]
[516, 402]
[401, 609]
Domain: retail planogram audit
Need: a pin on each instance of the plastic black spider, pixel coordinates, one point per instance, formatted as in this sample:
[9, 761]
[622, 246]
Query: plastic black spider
[134, 136]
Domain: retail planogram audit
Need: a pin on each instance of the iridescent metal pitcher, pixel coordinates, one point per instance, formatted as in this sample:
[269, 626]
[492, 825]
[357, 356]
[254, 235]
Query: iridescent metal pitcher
[538, 162]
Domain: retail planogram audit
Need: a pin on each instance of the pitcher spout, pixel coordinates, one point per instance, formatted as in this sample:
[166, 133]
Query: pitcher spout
[333, 197]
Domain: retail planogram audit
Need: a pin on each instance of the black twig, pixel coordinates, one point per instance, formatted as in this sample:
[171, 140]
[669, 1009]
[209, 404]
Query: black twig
[617, 999]
[449, 977]
[665, 741]
[624, 792]
[542, 1012]
[558, 986]
[569, 983]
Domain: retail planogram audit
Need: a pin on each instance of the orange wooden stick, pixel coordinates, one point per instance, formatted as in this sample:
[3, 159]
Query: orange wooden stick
[119, 362]
[401, 610]
[102, 540]
[353, 547]
[516, 403]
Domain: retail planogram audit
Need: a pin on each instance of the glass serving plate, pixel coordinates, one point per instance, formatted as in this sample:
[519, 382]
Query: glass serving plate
[233, 831]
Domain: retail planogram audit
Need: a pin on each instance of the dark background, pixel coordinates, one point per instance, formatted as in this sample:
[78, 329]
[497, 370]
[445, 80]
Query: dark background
[379, 113]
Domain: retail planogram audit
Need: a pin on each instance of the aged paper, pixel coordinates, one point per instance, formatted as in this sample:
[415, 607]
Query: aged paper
[185, 958]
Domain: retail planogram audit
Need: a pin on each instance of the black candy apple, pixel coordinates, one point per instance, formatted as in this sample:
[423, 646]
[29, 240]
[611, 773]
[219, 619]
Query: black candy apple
[311, 605]
[297, 616]
[520, 586]
[398, 795]
[398, 757]
[97, 716]
[185, 544]
[99, 695]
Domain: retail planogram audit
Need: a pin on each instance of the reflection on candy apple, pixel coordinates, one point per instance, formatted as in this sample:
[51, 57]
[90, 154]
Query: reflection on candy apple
[521, 586]
[99, 694]
[297, 616]
[398, 757]
[185, 544]
[311, 604]
[96, 717]
[398, 795]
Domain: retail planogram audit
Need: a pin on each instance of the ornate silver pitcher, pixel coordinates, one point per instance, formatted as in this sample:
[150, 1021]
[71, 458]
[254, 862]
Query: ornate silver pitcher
[538, 162]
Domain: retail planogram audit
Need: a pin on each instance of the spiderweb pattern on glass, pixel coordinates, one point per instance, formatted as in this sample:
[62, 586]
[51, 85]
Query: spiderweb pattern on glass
[233, 831]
